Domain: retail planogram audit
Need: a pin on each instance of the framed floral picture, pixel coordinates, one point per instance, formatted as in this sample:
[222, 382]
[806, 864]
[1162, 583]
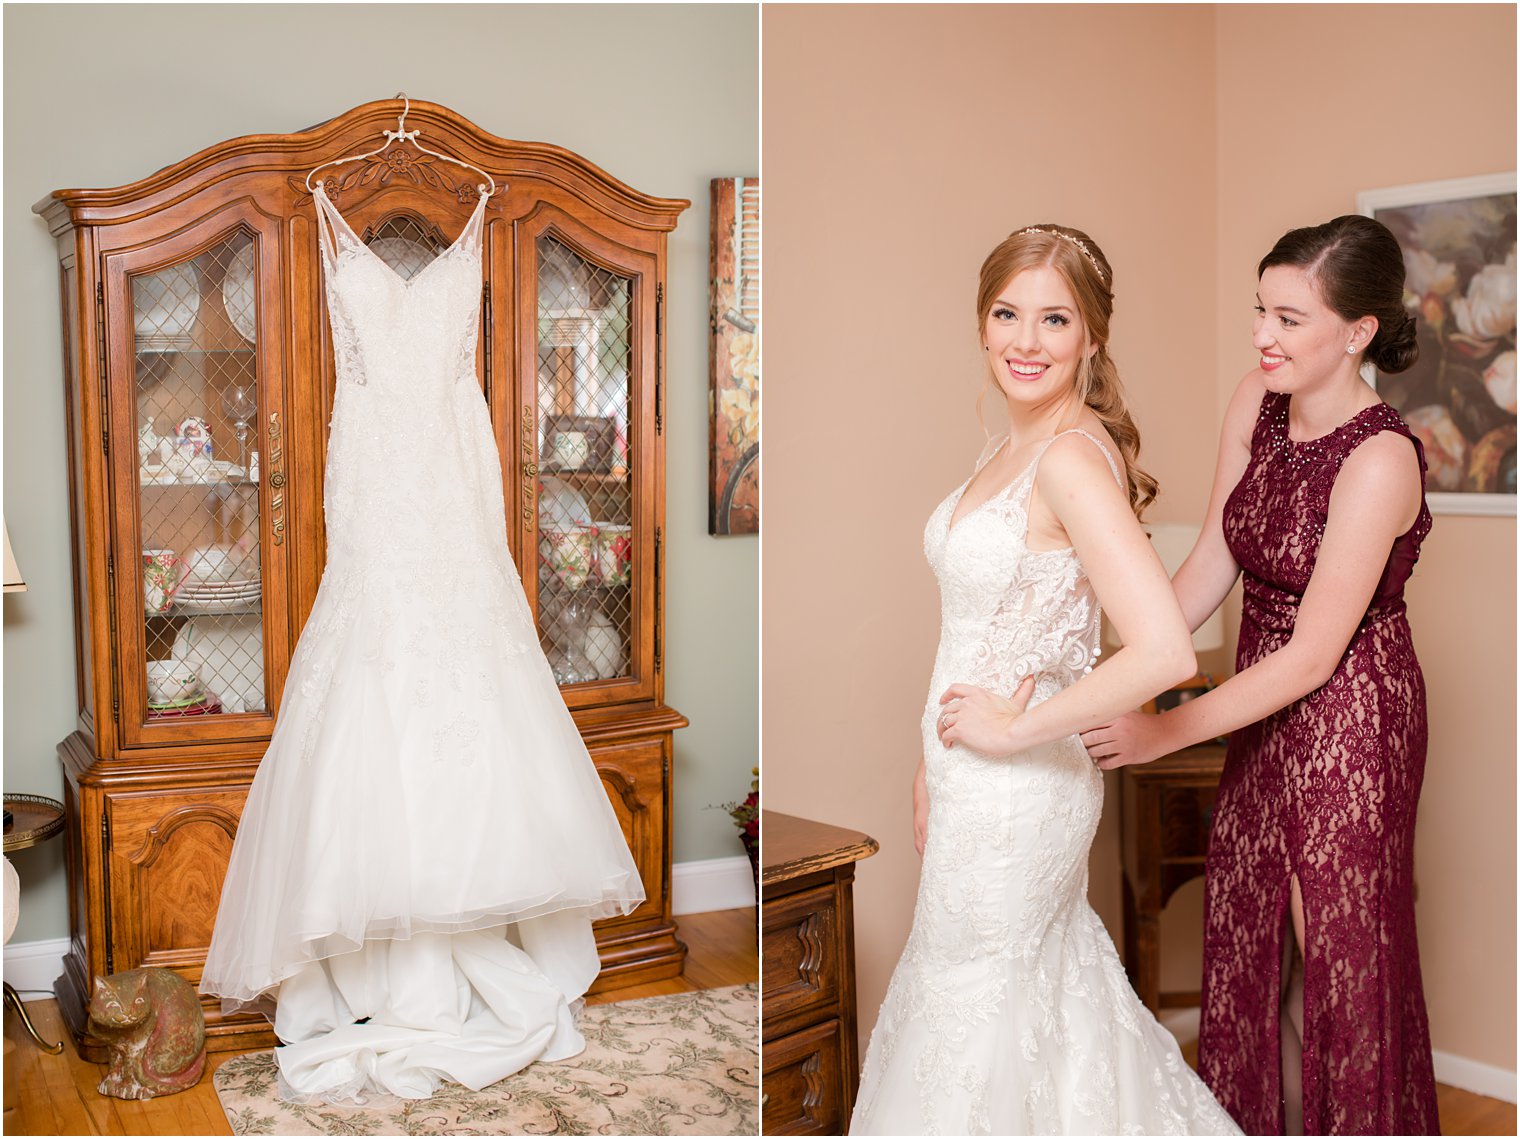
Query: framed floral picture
[734, 395]
[1458, 239]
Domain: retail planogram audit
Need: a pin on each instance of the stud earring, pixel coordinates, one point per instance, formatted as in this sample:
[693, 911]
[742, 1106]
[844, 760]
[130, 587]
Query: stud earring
[1351, 348]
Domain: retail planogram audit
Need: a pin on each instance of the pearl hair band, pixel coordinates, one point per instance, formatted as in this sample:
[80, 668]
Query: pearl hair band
[1086, 252]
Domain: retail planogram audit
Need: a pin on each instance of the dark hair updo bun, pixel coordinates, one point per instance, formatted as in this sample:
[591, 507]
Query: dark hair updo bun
[1394, 348]
[1359, 267]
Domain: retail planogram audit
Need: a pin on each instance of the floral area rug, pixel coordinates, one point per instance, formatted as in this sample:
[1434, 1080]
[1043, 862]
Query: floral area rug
[684, 1064]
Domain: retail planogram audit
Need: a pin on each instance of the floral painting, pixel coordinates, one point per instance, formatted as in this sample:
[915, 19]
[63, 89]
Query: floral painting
[734, 396]
[1458, 239]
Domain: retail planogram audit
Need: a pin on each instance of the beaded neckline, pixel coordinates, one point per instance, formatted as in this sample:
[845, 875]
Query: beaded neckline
[1300, 453]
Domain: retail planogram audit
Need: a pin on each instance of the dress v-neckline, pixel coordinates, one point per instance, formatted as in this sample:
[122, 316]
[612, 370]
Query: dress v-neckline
[953, 523]
[404, 282]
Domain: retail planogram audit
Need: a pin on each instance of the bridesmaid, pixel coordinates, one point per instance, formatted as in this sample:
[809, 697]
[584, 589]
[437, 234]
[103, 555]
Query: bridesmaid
[1319, 500]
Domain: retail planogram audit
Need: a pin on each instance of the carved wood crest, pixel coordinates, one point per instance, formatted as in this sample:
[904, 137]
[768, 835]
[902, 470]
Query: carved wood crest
[397, 164]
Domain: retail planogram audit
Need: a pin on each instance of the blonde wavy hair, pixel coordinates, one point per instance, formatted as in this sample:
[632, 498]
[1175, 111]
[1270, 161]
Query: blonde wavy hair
[1089, 276]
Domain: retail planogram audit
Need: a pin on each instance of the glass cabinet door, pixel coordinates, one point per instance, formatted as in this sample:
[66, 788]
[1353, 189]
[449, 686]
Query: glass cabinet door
[582, 437]
[189, 451]
[198, 442]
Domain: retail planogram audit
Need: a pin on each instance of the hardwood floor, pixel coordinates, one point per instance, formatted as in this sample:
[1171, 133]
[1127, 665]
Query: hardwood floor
[58, 1097]
[57, 1093]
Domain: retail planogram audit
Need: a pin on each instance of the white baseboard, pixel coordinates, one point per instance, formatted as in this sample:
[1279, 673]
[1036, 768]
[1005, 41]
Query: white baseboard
[711, 884]
[1458, 1071]
[33, 966]
[1471, 1076]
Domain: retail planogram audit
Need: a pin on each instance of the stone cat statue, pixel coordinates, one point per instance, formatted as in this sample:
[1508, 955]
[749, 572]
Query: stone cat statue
[151, 1020]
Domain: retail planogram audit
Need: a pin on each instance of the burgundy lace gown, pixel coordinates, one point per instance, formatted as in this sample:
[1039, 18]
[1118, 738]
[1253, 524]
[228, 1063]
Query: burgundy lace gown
[1325, 788]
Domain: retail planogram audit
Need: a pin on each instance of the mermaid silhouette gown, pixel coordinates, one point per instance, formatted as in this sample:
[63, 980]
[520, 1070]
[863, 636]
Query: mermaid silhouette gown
[1325, 789]
[1009, 1012]
[426, 842]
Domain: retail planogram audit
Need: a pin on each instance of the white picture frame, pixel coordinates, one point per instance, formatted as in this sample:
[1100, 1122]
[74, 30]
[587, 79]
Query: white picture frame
[1446, 344]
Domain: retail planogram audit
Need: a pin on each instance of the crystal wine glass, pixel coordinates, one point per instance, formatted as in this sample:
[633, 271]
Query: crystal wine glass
[239, 404]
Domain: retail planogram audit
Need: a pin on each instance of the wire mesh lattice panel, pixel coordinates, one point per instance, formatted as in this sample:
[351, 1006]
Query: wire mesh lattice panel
[405, 245]
[195, 353]
[585, 534]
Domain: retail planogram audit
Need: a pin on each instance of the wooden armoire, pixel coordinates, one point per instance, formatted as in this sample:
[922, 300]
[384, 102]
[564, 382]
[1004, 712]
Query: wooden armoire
[198, 373]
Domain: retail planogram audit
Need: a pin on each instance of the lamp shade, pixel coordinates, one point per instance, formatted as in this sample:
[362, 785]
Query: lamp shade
[14, 582]
[1173, 541]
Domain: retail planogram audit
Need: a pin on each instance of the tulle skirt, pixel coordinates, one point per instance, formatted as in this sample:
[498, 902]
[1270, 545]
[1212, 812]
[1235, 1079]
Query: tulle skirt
[425, 844]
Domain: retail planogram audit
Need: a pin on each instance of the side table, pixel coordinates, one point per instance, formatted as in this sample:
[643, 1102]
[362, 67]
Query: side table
[809, 1063]
[35, 819]
[1165, 810]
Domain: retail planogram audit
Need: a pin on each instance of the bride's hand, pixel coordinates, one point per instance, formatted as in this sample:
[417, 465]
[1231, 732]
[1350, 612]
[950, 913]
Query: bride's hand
[982, 720]
[920, 810]
[1133, 738]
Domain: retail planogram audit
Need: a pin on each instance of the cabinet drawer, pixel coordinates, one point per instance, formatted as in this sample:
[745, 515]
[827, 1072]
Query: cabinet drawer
[804, 1084]
[800, 949]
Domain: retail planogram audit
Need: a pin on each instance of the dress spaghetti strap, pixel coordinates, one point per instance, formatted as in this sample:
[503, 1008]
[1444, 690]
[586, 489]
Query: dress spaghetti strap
[1112, 465]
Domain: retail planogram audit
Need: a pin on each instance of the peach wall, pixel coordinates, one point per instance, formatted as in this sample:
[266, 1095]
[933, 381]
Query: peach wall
[1372, 118]
[901, 143]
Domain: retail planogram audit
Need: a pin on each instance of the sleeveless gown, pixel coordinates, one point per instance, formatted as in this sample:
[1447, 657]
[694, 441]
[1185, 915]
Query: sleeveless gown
[1009, 1012]
[426, 842]
[1326, 789]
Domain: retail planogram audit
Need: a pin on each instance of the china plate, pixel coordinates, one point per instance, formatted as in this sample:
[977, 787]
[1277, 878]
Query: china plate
[238, 295]
[228, 655]
[220, 605]
[165, 305]
[185, 703]
[561, 507]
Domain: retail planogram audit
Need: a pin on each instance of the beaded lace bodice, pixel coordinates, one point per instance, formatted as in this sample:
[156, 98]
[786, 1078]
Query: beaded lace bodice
[1007, 611]
[408, 419]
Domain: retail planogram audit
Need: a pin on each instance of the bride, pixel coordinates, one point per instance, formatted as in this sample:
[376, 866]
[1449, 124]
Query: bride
[1009, 1012]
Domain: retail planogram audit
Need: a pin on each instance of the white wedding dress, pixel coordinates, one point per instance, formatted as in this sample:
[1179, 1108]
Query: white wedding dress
[1009, 1012]
[426, 842]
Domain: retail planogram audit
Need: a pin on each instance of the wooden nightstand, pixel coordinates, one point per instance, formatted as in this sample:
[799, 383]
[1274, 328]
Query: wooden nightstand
[1165, 810]
[810, 1060]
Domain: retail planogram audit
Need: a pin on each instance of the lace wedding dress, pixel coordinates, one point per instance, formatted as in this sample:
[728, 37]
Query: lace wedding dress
[1009, 1012]
[426, 842]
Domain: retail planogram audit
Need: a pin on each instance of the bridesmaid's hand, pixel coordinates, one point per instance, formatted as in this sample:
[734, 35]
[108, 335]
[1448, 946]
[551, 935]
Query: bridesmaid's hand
[982, 720]
[920, 810]
[1133, 738]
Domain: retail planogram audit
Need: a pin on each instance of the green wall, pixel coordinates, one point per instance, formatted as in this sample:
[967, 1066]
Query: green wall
[664, 97]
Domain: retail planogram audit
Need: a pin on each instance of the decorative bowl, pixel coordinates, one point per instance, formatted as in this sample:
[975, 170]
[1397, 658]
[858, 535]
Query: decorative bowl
[212, 563]
[172, 682]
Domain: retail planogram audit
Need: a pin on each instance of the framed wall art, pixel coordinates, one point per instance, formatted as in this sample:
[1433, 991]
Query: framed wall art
[1458, 238]
[734, 394]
